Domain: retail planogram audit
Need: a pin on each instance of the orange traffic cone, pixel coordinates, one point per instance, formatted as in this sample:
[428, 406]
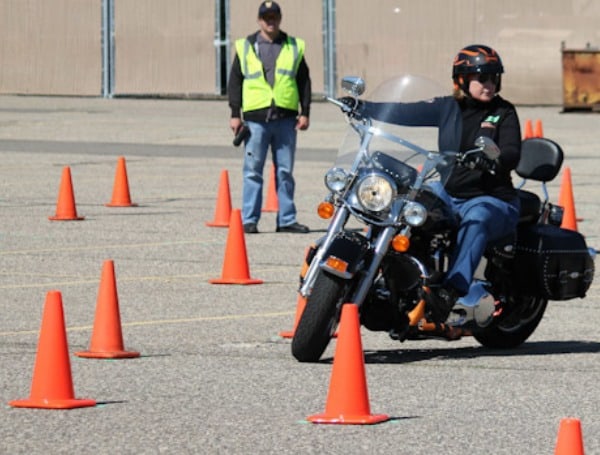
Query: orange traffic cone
[299, 309]
[528, 133]
[272, 203]
[120, 196]
[539, 130]
[569, 440]
[348, 400]
[107, 337]
[65, 205]
[223, 208]
[235, 265]
[52, 384]
[567, 201]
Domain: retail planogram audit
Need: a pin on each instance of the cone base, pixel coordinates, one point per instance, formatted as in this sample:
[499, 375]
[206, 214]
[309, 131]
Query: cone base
[348, 419]
[235, 281]
[218, 223]
[288, 334]
[53, 404]
[270, 210]
[108, 354]
[120, 204]
[66, 218]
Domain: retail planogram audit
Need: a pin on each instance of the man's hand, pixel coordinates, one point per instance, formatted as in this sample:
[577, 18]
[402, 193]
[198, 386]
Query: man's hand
[303, 123]
[235, 123]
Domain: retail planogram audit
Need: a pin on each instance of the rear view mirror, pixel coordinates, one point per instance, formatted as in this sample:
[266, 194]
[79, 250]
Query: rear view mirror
[488, 147]
[353, 85]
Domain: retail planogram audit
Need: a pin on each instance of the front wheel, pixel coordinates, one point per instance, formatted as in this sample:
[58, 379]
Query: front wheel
[513, 329]
[319, 318]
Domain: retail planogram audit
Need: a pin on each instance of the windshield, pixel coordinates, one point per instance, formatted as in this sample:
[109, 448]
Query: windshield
[406, 145]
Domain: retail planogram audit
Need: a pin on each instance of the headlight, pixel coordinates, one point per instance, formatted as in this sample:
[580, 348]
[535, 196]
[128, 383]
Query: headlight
[336, 179]
[414, 214]
[375, 192]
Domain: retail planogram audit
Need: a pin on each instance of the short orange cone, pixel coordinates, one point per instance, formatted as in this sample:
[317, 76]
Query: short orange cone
[348, 400]
[570, 439]
[223, 208]
[528, 133]
[107, 336]
[121, 196]
[52, 384]
[539, 130]
[272, 203]
[299, 310]
[235, 265]
[65, 205]
[567, 201]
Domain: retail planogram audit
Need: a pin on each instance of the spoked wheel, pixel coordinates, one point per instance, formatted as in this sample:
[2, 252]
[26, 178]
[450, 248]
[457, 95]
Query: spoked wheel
[319, 318]
[513, 329]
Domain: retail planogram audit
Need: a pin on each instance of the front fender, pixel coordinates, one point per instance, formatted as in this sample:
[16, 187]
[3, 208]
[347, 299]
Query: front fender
[345, 255]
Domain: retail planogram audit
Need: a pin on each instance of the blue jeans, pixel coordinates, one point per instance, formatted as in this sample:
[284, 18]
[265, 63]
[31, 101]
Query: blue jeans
[280, 136]
[482, 219]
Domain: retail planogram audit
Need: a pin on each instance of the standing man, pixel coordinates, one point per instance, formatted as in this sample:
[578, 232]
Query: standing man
[269, 81]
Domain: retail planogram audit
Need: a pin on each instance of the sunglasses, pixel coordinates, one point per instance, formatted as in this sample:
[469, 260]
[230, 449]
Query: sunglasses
[483, 78]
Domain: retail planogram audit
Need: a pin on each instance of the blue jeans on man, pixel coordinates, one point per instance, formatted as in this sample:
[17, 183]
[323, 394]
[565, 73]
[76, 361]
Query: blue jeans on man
[280, 136]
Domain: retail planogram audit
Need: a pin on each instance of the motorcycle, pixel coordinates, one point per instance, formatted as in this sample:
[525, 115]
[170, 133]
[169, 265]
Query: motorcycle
[390, 237]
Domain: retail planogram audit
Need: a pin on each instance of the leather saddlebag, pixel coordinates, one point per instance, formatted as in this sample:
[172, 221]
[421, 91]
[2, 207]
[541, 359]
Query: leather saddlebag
[552, 263]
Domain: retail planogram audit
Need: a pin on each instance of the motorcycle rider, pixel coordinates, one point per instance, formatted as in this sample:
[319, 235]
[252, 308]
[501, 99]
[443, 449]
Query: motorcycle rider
[482, 195]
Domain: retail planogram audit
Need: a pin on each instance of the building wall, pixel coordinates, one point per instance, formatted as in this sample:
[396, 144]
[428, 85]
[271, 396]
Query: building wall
[167, 47]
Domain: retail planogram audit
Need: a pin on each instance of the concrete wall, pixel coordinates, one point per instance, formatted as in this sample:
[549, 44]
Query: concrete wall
[166, 47]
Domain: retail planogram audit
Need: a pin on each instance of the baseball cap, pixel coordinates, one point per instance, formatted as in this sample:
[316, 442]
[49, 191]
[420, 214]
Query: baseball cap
[269, 7]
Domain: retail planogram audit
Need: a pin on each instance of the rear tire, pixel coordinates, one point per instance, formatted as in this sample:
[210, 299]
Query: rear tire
[319, 318]
[513, 329]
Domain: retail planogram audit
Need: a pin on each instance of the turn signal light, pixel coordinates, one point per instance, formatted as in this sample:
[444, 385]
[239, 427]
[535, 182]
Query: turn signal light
[325, 210]
[337, 264]
[401, 243]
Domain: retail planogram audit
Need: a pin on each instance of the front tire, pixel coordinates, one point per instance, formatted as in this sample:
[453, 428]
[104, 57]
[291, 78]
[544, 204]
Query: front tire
[512, 330]
[319, 318]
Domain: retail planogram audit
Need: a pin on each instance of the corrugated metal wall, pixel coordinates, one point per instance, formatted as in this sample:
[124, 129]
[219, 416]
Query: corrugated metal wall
[167, 47]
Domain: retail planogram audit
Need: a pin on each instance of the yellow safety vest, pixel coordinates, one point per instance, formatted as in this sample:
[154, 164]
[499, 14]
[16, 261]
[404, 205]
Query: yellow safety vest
[256, 91]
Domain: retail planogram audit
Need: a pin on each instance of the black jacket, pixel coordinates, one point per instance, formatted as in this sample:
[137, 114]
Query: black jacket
[236, 79]
[460, 123]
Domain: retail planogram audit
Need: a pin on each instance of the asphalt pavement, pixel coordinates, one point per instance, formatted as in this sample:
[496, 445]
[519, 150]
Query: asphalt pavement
[214, 376]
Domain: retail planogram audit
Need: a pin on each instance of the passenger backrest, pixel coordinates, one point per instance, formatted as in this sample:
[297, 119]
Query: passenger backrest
[541, 159]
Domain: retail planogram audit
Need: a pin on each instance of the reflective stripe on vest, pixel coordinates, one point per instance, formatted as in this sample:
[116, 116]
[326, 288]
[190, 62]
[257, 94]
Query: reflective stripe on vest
[256, 91]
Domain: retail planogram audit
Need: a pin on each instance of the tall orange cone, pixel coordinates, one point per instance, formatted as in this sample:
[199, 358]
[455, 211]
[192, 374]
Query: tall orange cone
[223, 208]
[52, 384]
[271, 203]
[348, 400]
[107, 336]
[300, 305]
[528, 133]
[569, 440]
[235, 265]
[567, 201]
[539, 130]
[65, 205]
[121, 196]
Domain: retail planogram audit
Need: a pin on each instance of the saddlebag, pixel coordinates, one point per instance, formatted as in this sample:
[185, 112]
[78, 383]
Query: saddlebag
[552, 263]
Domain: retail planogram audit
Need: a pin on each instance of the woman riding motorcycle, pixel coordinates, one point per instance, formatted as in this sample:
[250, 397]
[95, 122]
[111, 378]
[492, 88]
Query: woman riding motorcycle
[481, 195]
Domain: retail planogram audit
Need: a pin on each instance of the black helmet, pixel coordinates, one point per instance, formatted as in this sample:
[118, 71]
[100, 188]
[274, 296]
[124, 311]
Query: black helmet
[476, 58]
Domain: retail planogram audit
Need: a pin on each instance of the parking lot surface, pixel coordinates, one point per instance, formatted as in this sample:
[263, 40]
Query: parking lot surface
[214, 376]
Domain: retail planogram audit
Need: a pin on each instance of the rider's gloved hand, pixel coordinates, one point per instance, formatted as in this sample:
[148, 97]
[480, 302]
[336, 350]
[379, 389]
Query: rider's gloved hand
[481, 163]
[353, 105]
